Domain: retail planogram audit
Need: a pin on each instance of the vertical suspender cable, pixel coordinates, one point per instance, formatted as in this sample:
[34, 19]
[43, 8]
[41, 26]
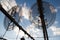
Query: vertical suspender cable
[40, 9]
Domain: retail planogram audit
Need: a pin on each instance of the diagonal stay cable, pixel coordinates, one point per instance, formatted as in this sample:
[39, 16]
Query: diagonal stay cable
[13, 20]
[40, 9]
[3, 38]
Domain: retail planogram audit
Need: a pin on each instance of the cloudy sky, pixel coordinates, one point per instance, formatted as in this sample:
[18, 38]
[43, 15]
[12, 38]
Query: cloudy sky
[53, 31]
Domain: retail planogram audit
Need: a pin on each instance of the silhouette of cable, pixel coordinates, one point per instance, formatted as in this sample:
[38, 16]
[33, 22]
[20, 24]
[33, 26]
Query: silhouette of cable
[14, 21]
[40, 9]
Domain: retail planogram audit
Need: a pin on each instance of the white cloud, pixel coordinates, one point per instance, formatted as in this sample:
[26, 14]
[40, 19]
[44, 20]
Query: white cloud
[21, 33]
[16, 30]
[35, 32]
[56, 10]
[10, 34]
[8, 4]
[56, 22]
[53, 10]
[56, 31]
[25, 11]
